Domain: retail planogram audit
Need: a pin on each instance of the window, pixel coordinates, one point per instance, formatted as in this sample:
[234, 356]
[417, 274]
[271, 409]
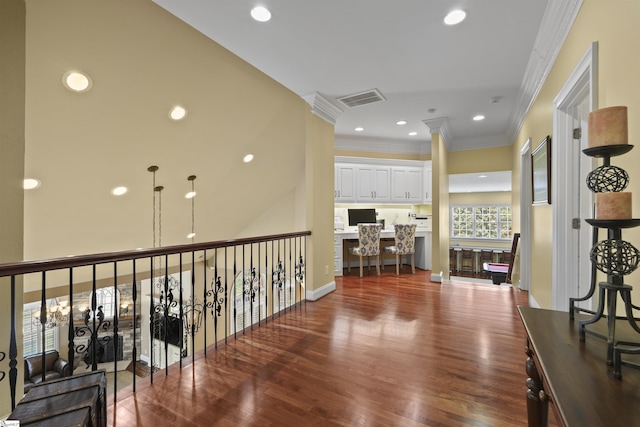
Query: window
[481, 222]
[243, 304]
[109, 299]
[32, 331]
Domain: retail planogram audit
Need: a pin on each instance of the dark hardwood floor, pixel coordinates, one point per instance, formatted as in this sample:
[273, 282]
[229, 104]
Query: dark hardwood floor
[380, 351]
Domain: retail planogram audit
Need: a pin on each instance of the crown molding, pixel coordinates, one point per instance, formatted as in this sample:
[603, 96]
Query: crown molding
[440, 126]
[381, 145]
[323, 108]
[554, 28]
[479, 143]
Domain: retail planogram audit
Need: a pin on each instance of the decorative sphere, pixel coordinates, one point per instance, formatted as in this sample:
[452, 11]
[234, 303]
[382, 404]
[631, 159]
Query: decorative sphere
[615, 257]
[607, 178]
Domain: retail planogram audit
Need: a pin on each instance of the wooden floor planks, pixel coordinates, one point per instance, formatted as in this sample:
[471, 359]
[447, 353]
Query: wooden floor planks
[379, 351]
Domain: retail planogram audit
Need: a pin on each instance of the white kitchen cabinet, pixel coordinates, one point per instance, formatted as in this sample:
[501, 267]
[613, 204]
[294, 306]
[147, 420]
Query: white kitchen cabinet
[372, 183]
[406, 185]
[344, 183]
[427, 188]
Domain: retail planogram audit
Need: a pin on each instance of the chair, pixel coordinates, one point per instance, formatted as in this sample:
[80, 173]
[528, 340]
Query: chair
[467, 260]
[368, 245]
[405, 239]
[452, 261]
[55, 367]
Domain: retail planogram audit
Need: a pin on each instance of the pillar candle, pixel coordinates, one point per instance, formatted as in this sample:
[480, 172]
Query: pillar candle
[608, 126]
[613, 205]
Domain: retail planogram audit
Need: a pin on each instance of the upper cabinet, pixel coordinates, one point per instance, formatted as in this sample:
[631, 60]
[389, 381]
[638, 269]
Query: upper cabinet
[344, 183]
[360, 180]
[427, 190]
[373, 183]
[406, 185]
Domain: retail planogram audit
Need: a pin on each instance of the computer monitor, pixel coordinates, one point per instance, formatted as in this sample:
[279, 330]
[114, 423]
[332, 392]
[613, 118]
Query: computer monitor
[361, 216]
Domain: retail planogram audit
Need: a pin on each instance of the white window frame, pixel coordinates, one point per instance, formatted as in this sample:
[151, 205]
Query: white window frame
[474, 228]
[32, 331]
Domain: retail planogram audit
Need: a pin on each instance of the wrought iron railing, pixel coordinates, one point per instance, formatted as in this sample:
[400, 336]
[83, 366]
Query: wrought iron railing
[153, 307]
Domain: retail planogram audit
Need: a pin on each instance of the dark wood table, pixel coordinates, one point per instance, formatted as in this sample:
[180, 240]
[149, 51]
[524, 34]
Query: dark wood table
[574, 376]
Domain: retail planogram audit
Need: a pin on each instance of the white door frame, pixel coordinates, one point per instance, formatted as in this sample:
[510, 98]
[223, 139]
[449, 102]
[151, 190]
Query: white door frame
[582, 82]
[525, 216]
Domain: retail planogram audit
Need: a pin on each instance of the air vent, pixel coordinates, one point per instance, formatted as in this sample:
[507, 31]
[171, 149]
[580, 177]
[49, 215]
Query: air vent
[362, 98]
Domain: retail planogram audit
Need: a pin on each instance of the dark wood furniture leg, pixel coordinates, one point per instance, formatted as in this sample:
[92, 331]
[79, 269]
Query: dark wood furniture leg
[537, 401]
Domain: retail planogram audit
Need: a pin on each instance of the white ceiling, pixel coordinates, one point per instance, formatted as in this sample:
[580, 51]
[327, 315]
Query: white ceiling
[326, 49]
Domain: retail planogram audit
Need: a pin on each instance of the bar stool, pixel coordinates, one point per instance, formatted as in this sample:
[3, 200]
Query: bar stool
[486, 256]
[458, 252]
[467, 260]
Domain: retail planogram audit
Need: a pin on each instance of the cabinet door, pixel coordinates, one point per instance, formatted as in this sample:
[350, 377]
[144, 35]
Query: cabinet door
[344, 181]
[372, 184]
[427, 190]
[406, 185]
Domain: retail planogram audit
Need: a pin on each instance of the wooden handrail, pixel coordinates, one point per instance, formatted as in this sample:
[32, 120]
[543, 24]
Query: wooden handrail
[25, 267]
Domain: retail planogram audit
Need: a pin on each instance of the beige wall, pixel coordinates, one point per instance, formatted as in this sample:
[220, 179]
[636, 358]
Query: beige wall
[614, 25]
[483, 160]
[12, 68]
[143, 60]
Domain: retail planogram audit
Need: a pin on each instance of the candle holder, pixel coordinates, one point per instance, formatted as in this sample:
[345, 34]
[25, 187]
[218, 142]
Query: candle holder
[615, 257]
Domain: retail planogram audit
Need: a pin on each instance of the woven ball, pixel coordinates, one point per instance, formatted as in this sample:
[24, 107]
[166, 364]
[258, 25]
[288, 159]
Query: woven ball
[607, 179]
[615, 257]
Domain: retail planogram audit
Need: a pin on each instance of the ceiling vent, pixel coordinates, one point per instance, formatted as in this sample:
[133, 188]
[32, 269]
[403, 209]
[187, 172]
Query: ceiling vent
[362, 98]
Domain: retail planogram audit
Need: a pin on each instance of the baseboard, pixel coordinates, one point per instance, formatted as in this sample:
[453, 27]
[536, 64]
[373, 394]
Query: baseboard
[437, 278]
[532, 301]
[316, 294]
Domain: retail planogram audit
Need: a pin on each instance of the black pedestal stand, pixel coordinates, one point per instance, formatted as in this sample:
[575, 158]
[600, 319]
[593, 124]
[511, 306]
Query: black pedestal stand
[614, 257]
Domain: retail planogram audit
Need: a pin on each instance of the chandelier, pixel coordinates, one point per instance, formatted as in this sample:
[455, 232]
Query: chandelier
[52, 315]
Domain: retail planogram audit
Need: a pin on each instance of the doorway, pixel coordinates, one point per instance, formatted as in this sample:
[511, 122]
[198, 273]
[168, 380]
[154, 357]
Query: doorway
[572, 200]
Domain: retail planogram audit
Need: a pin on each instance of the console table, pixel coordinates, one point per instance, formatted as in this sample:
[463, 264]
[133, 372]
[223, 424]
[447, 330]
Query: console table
[573, 375]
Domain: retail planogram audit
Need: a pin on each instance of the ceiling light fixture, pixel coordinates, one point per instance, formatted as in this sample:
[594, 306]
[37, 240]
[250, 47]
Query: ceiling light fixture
[119, 191]
[413, 133]
[260, 14]
[359, 129]
[482, 176]
[177, 113]
[401, 122]
[247, 158]
[478, 117]
[76, 81]
[455, 17]
[192, 179]
[30, 183]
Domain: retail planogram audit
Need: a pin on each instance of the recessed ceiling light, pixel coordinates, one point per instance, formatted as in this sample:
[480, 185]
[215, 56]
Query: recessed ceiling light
[190, 195]
[177, 113]
[247, 158]
[260, 14]
[30, 183]
[76, 81]
[478, 117]
[401, 122]
[359, 129]
[482, 176]
[455, 17]
[119, 191]
[191, 235]
[413, 133]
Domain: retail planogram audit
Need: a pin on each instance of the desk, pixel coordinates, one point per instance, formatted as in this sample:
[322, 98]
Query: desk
[422, 255]
[573, 375]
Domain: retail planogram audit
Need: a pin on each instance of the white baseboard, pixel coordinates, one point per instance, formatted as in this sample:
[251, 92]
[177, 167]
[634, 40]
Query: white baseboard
[316, 294]
[437, 278]
[532, 301]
